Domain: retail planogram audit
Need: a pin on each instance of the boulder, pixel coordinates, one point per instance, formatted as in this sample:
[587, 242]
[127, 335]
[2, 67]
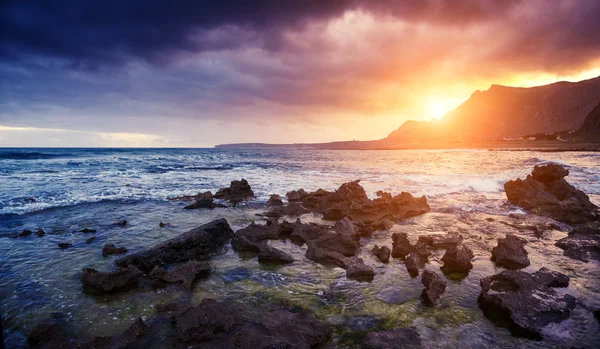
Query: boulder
[583, 242]
[186, 274]
[457, 259]
[254, 238]
[356, 269]
[382, 253]
[405, 338]
[275, 200]
[413, 263]
[434, 287]
[268, 254]
[510, 252]
[112, 281]
[401, 246]
[198, 243]
[40, 233]
[24, 233]
[203, 200]
[220, 325]
[545, 192]
[525, 303]
[292, 209]
[237, 192]
[110, 249]
[296, 195]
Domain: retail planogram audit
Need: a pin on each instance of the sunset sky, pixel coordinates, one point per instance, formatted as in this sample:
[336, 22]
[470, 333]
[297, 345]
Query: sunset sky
[199, 73]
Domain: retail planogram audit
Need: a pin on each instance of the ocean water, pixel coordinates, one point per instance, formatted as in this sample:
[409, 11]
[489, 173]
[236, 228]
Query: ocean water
[76, 188]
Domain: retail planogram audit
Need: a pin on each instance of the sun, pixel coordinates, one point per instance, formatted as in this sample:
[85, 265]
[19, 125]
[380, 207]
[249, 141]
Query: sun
[436, 107]
[436, 110]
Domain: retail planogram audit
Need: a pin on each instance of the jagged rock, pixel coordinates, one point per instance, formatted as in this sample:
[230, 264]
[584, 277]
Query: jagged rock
[197, 243]
[64, 245]
[296, 195]
[40, 232]
[24, 233]
[254, 238]
[434, 287]
[112, 281]
[185, 274]
[524, 302]
[511, 252]
[547, 193]
[203, 200]
[122, 222]
[271, 254]
[382, 253]
[405, 338]
[457, 259]
[382, 224]
[43, 332]
[413, 263]
[441, 240]
[401, 246]
[87, 230]
[583, 242]
[29, 200]
[90, 240]
[291, 209]
[163, 224]
[219, 325]
[110, 249]
[275, 200]
[237, 192]
[357, 269]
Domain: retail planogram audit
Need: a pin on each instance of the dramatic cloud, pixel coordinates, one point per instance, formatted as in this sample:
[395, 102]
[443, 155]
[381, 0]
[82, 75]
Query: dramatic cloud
[200, 73]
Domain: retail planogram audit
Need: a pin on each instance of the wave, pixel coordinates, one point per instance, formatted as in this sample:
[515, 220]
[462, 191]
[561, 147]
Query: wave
[28, 156]
[171, 168]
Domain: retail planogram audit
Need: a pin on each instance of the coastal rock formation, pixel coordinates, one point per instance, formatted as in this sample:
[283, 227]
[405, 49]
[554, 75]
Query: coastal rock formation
[583, 242]
[64, 245]
[40, 232]
[220, 325]
[547, 193]
[296, 195]
[24, 233]
[401, 246]
[441, 240]
[413, 263]
[511, 253]
[112, 281]
[275, 200]
[87, 230]
[382, 253]
[90, 240]
[434, 287]
[254, 238]
[110, 249]
[405, 338]
[524, 302]
[203, 200]
[293, 209]
[457, 259]
[198, 243]
[590, 130]
[237, 192]
[185, 274]
[122, 222]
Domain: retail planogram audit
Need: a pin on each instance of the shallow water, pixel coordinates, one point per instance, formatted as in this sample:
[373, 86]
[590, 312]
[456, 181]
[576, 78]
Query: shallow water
[76, 188]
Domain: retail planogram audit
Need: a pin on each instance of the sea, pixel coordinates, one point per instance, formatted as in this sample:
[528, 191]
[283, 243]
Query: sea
[65, 190]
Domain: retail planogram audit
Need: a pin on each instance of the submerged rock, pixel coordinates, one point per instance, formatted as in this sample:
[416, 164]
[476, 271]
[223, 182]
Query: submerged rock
[268, 254]
[547, 193]
[64, 245]
[237, 192]
[511, 252]
[405, 338]
[441, 240]
[275, 200]
[457, 259]
[382, 253]
[87, 230]
[198, 243]
[219, 325]
[254, 238]
[122, 222]
[524, 302]
[111, 281]
[90, 240]
[185, 274]
[110, 249]
[40, 232]
[583, 242]
[24, 233]
[434, 287]
[413, 263]
[401, 246]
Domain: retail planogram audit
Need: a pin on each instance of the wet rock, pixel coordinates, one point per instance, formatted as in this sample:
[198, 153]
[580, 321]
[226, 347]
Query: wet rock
[44, 332]
[296, 195]
[405, 338]
[87, 230]
[434, 287]
[401, 246]
[237, 192]
[511, 252]
[441, 240]
[271, 254]
[120, 341]
[64, 245]
[545, 192]
[275, 200]
[122, 222]
[163, 224]
[382, 224]
[346, 227]
[413, 263]
[254, 238]
[110, 249]
[185, 274]
[293, 209]
[524, 302]
[111, 281]
[356, 269]
[457, 259]
[90, 240]
[29, 200]
[24, 233]
[198, 243]
[220, 325]
[583, 242]
[203, 200]
[40, 232]
[382, 253]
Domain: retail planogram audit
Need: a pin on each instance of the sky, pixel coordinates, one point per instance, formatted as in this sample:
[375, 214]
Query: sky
[147, 73]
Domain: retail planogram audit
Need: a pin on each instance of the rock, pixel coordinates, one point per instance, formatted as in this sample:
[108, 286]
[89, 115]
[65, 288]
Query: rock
[583, 242]
[523, 302]
[356, 269]
[270, 254]
[401, 246]
[545, 192]
[90, 240]
[29, 200]
[87, 230]
[123, 340]
[382, 224]
[441, 240]
[43, 332]
[40, 232]
[511, 252]
[382, 253]
[122, 222]
[434, 287]
[597, 314]
[24, 233]
[198, 243]
[291, 209]
[185, 274]
[405, 338]
[219, 325]
[275, 200]
[64, 245]
[457, 259]
[254, 238]
[163, 224]
[296, 195]
[203, 200]
[237, 192]
[551, 278]
[112, 281]
[413, 263]
[110, 249]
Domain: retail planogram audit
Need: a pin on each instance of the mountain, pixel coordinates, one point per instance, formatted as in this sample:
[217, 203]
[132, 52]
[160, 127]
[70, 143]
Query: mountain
[590, 130]
[507, 112]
